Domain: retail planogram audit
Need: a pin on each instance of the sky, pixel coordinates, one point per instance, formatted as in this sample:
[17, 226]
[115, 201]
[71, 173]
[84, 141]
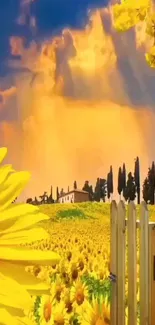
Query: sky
[73, 103]
[52, 16]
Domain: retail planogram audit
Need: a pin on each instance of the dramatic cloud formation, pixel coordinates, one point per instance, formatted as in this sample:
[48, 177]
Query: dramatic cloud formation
[81, 101]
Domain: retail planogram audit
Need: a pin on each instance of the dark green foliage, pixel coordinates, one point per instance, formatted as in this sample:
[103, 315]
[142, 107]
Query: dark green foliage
[57, 194]
[130, 190]
[97, 288]
[111, 180]
[123, 179]
[88, 188]
[137, 179]
[108, 185]
[75, 185]
[100, 189]
[146, 190]
[120, 181]
[69, 214]
[149, 185]
[50, 198]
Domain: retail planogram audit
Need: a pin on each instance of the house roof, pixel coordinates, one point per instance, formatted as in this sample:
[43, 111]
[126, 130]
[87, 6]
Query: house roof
[73, 191]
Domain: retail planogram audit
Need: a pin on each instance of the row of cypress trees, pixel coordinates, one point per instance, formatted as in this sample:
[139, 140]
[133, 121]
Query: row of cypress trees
[128, 186]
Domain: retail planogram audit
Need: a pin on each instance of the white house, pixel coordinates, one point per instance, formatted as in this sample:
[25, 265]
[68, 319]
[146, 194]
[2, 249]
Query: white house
[74, 196]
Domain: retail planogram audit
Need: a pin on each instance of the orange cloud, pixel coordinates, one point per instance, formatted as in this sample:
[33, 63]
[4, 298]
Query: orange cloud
[86, 105]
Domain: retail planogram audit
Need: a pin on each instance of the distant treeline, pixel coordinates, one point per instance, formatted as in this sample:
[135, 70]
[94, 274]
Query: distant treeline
[128, 187]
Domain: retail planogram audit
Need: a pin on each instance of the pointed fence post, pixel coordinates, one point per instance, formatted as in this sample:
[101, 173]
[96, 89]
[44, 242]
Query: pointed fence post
[121, 264]
[132, 264]
[113, 262]
[144, 264]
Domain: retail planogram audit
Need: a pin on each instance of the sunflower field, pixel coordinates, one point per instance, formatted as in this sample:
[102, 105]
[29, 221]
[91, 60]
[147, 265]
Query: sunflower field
[79, 284]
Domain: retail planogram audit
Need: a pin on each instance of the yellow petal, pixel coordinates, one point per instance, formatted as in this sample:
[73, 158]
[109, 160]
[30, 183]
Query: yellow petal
[23, 256]
[23, 237]
[9, 216]
[24, 321]
[13, 295]
[25, 221]
[7, 319]
[3, 153]
[25, 279]
[14, 185]
[4, 172]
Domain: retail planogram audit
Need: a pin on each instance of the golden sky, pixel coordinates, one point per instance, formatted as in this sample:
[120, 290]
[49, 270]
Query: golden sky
[88, 107]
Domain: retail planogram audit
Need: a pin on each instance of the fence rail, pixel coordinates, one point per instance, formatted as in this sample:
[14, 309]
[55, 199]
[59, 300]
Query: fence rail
[132, 243]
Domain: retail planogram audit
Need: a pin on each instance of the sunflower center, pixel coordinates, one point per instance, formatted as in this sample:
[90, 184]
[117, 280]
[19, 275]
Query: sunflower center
[81, 265]
[74, 274]
[58, 292]
[69, 307]
[47, 311]
[80, 297]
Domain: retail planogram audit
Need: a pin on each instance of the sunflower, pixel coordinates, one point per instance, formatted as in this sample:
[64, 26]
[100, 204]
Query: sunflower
[45, 310]
[79, 294]
[95, 314]
[66, 298]
[60, 316]
[57, 288]
[17, 227]
[73, 271]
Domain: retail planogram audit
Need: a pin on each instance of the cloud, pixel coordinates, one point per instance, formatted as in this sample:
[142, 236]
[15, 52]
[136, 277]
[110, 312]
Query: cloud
[85, 100]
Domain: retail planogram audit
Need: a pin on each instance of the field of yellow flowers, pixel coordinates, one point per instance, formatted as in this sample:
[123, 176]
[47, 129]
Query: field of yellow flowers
[79, 284]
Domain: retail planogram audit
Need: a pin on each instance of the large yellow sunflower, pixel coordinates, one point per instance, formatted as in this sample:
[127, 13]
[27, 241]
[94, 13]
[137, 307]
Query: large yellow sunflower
[96, 313]
[17, 226]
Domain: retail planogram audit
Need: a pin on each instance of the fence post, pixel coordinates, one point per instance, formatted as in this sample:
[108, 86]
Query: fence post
[113, 261]
[132, 264]
[121, 264]
[144, 264]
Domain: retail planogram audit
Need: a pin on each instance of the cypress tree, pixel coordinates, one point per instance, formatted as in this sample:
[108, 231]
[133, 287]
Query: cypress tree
[103, 185]
[57, 194]
[75, 185]
[120, 182]
[123, 179]
[137, 179]
[151, 178]
[111, 180]
[130, 190]
[146, 190]
[88, 188]
[108, 185]
[97, 190]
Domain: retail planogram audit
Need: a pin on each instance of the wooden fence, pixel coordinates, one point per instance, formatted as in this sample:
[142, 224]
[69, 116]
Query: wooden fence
[132, 243]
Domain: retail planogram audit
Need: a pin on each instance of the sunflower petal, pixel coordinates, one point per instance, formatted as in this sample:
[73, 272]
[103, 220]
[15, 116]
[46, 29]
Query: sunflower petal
[6, 318]
[3, 153]
[17, 210]
[13, 295]
[4, 172]
[25, 279]
[25, 256]
[14, 185]
[25, 222]
[23, 237]
[24, 321]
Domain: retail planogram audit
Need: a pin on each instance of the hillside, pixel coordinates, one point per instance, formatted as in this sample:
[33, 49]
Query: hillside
[86, 210]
